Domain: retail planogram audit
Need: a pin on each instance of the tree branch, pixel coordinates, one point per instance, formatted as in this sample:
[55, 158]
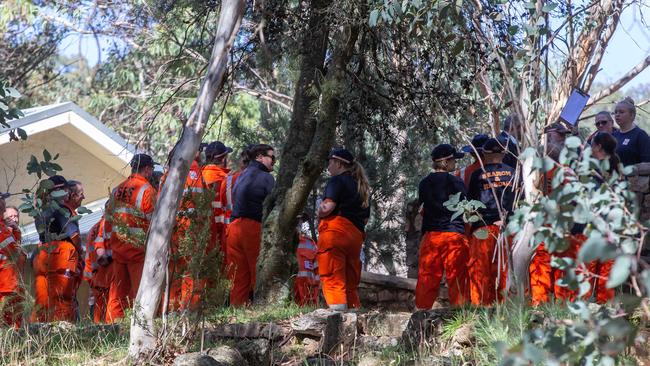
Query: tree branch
[614, 87]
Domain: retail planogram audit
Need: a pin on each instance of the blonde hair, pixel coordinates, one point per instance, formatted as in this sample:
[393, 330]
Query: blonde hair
[363, 186]
[629, 102]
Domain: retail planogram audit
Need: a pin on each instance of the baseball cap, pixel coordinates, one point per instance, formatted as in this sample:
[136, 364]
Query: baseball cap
[341, 154]
[494, 145]
[558, 127]
[445, 151]
[477, 143]
[141, 160]
[59, 181]
[216, 149]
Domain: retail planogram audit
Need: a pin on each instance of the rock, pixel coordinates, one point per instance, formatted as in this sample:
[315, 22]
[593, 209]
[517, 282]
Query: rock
[332, 334]
[227, 356]
[386, 295]
[424, 325]
[269, 331]
[385, 324]
[255, 351]
[310, 346]
[312, 324]
[642, 169]
[196, 359]
[373, 343]
[464, 336]
[639, 183]
[371, 360]
[323, 361]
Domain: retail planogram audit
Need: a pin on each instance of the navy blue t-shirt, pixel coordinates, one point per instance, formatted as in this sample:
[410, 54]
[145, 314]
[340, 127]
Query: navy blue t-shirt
[250, 191]
[484, 183]
[342, 190]
[434, 190]
[512, 147]
[633, 146]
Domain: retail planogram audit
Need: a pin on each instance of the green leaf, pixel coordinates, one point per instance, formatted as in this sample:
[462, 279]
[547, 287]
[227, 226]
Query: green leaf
[549, 7]
[374, 16]
[83, 211]
[12, 92]
[46, 155]
[481, 234]
[59, 193]
[21, 133]
[530, 6]
[573, 142]
[620, 271]
[595, 247]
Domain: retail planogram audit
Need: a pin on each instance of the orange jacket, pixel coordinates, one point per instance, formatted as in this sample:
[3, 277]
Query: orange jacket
[94, 273]
[10, 257]
[466, 173]
[226, 199]
[194, 186]
[128, 217]
[307, 264]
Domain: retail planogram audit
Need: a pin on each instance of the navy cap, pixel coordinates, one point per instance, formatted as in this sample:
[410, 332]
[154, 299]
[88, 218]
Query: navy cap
[494, 145]
[445, 151]
[4, 195]
[476, 144]
[141, 160]
[341, 154]
[216, 149]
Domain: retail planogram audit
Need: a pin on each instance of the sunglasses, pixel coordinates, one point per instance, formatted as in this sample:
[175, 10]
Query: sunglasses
[270, 156]
[600, 123]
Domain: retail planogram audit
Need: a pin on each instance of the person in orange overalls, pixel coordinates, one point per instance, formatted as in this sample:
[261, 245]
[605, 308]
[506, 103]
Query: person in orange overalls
[131, 205]
[12, 260]
[473, 149]
[343, 212]
[184, 293]
[244, 234]
[215, 172]
[306, 287]
[98, 270]
[542, 277]
[444, 247]
[40, 258]
[492, 185]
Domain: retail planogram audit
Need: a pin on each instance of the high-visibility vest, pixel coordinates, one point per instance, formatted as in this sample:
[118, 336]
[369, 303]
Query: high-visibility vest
[215, 177]
[193, 188]
[128, 217]
[90, 258]
[9, 253]
[226, 198]
[465, 173]
[307, 264]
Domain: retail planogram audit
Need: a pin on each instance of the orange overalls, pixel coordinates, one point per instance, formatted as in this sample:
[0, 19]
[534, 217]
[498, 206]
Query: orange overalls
[63, 276]
[127, 219]
[484, 268]
[213, 177]
[182, 293]
[98, 276]
[39, 266]
[243, 247]
[226, 203]
[307, 284]
[339, 263]
[440, 252]
[11, 295]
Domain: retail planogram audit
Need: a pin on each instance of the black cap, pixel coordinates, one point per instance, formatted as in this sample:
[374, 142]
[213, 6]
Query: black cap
[476, 144]
[4, 195]
[216, 149]
[59, 181]
[141, 160]
[341, 154]
[494, 145]
[445, 151]
[558, 127]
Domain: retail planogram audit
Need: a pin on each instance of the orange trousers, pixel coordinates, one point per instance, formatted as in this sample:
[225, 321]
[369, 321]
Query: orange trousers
[440, 252]
[101, 300]
[243, 239]
[484, 268]
[561, 292]
[63, 281]
[541, 276]
[339, 263]
[39, 314]
[184, 294]
[124, 287]
[11, 304]
[305, 291]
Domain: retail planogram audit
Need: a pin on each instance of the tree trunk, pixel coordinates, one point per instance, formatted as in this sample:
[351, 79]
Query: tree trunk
[291, 194]
[143, 334]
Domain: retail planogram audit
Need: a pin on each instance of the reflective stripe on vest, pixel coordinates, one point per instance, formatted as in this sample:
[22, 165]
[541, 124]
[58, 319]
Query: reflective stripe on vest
[307, 244]
[88, 274]
[7, 241]
[193, 190]
[130, 211]
[229, 193]
[308, 274]
[216, 204]
[220, 219]
[138, 200]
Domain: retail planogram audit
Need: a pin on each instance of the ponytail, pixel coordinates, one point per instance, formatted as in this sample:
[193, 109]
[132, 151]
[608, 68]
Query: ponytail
[363, 186]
